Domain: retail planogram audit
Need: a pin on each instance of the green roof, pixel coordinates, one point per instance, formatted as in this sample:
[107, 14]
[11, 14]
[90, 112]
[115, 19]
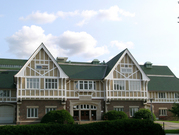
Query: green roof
[86, 72]
[157, 70]
[112, 62]
[7, 79]
[161, 79]
[15, 64]
[163, 84]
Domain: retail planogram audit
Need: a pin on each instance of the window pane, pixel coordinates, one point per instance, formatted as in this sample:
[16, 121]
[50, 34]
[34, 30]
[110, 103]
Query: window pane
[28, 112]
[36, 112]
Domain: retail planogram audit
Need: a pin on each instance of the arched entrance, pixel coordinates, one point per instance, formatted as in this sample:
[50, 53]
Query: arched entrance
[84, 112]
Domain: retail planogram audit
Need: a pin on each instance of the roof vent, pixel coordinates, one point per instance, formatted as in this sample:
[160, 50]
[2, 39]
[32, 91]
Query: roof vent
[95, 61]
[61, 59]
[148, 64]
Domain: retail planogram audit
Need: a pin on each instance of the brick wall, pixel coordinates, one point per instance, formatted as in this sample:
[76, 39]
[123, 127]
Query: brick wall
[41, 110]
[126, 105]
[163, 105]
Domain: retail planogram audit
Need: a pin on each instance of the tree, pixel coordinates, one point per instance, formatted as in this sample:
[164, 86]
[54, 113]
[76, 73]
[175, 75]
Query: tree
[175, 110]
[144, 114]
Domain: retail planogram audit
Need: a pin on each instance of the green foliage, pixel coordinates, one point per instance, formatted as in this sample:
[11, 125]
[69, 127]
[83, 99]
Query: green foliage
[114, 115]
[58, 116]
[144, 114]
[121, 127]
[175, 110]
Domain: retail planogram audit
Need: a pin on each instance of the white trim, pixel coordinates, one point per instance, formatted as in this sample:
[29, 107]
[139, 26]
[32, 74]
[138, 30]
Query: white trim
[161, 75]
[42, 46]
[110, 74]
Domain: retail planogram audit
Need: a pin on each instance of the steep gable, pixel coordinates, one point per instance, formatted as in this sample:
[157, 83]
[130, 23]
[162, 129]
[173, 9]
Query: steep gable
[124, 65]
[41, 59]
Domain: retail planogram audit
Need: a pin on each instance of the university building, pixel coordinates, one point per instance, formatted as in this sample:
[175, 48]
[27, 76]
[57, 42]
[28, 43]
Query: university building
[31, 88]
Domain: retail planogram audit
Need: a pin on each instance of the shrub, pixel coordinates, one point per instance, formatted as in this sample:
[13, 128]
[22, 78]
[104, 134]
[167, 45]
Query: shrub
[114, 115]
[58, 116]
[116, 127]
[144, 114]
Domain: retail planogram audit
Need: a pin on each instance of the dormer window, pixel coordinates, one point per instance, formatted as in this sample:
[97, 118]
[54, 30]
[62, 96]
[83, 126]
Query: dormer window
[41, 67]
[126, 69]
[148, 64]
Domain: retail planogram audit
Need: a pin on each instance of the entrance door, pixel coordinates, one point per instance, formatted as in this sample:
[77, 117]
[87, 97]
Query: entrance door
[93, 115]
[84, 115]
[76, 115]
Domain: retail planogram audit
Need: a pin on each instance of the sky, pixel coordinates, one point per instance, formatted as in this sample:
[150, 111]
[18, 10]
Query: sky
[83, 30]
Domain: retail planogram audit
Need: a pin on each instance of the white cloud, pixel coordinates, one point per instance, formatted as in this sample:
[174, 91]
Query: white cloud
[122, 45]
[40, 18]
[80, 43]
[24, 42]
[114, 13]
[66, 14]
[110, 14]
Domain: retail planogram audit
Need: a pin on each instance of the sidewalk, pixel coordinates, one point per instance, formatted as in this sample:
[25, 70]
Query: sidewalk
[168, 125]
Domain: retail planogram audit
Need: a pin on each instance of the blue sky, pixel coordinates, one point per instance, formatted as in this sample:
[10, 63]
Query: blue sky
[92, 29]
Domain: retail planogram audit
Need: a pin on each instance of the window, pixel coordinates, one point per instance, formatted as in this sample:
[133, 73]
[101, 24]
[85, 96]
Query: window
[51, 83]
[42, 67]
[135, 85]
[133, 110]
[161, 95]
[85, 107]
[85, 85]
[126, 69]
[119, 108]
[32, 112]
[49, 109]
[162, 112]
[4, 93]
[176, 95]
[32, 83]
[119, 85]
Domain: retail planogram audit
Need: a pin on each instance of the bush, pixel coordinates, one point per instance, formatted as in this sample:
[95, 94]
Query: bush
[58, 116]
[116, 127]
[144, 114]
[115, 115]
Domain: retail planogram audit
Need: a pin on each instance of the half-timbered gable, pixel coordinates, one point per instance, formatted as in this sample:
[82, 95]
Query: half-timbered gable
[126, 80]
[31, 88]
[41, 77]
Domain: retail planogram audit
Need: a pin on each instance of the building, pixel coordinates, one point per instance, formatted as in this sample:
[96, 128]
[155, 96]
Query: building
[31, 88]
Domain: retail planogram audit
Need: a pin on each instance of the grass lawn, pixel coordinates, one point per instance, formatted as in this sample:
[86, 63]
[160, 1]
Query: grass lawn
[173, 121]
[172, 131]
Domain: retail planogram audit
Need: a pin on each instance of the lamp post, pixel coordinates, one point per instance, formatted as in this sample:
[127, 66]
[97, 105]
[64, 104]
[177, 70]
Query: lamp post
[151, 108]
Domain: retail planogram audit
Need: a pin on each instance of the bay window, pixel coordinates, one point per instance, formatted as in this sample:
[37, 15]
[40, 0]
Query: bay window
[85, 85]
[51, 83]
[32, 83]
[119, 85]
[135, 85]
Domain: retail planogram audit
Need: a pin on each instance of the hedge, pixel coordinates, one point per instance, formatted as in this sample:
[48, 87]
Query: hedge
[58, 116]
[115, 115]
[120, 127]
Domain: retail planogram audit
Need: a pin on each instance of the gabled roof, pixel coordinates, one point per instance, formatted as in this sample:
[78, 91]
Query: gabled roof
[169, 84]
[7, 79]
[84, 72]
[12, 64]
[114, 62]
[42, 46]
[161, 79]
[157, 70]
[111, 63]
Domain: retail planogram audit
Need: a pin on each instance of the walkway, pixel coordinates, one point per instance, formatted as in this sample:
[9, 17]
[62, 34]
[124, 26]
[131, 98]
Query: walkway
[168, 125]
